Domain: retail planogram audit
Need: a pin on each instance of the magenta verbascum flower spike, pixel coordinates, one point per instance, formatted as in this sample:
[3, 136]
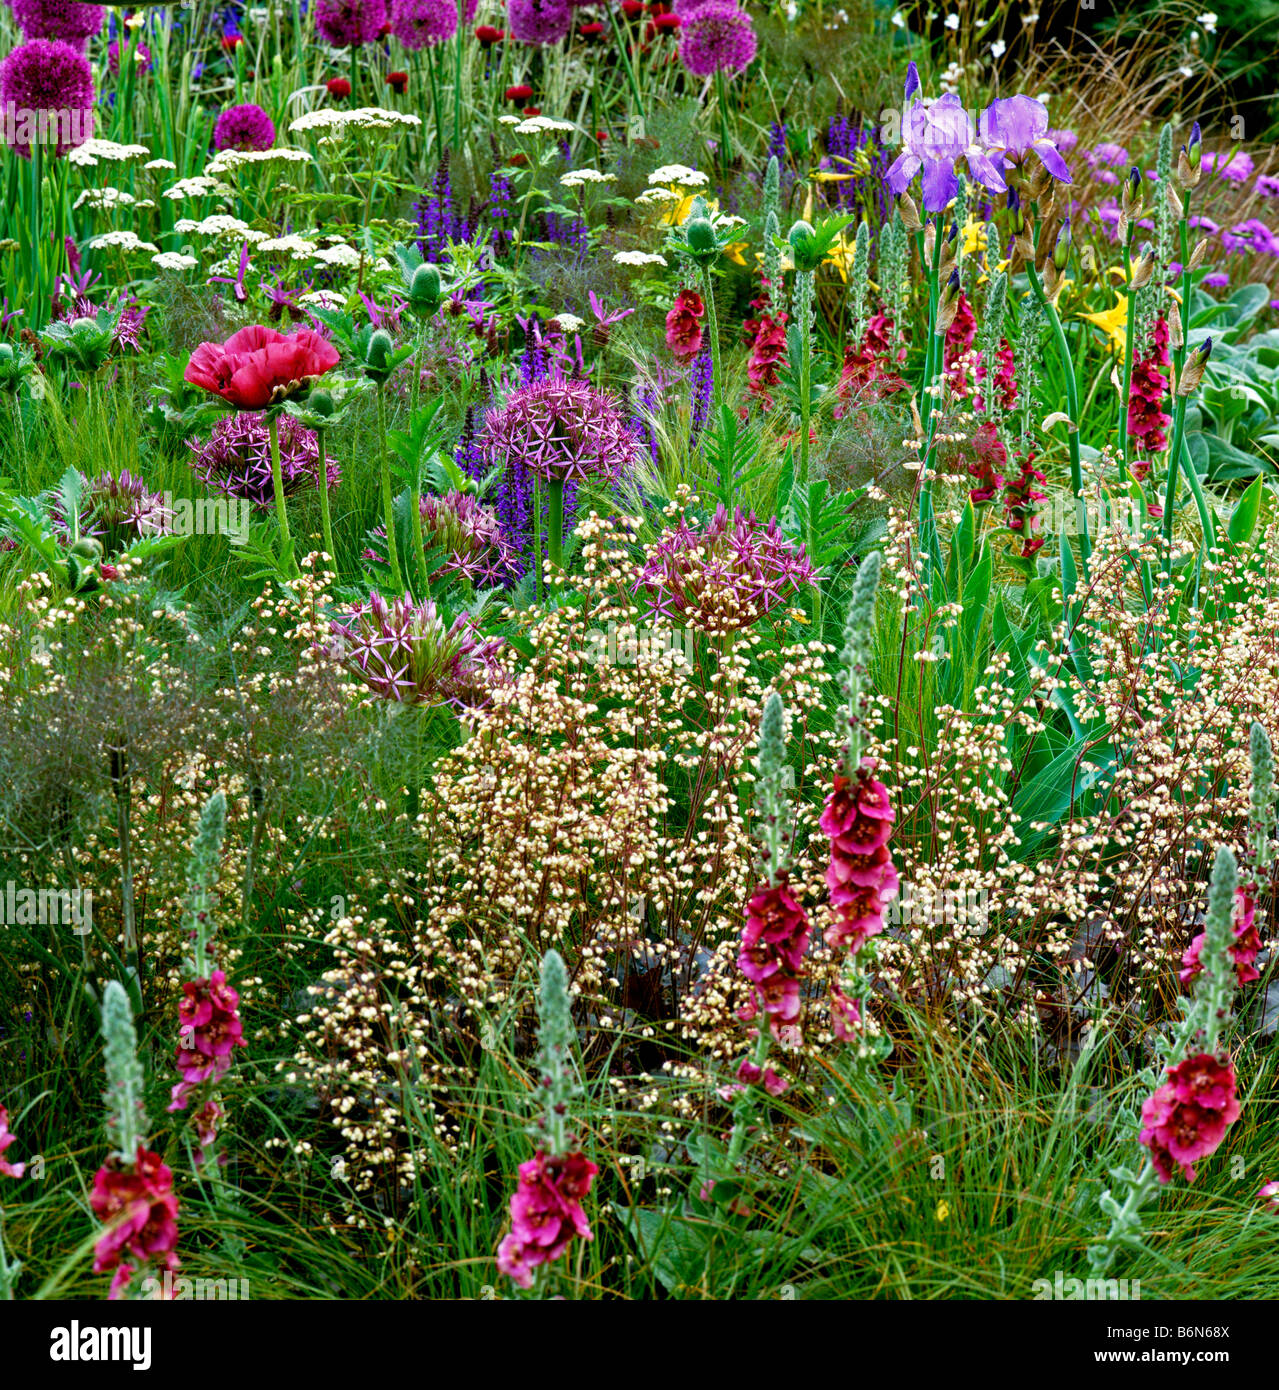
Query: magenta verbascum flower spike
[936, 135]
[546, 1209]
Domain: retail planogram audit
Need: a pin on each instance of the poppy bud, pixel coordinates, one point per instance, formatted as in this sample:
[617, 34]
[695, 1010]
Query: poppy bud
[321, 403]
[700, 238]
[379, 349]
[424, 290]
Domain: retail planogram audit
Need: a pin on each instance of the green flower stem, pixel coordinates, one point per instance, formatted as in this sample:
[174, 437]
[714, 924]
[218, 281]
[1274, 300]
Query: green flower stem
[804, 286]
[1180, 450]
[388, 501]
[712, 332]
[434, 61]
[555, 524]
[1072, 407]
[326, 523]
[933, 355]
[1130, 330]
[8, 1272]
[743, 1106]
[721, 100]
[277, 482]
[537, 536]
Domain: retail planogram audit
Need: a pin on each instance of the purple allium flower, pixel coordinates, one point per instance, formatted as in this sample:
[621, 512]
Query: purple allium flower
[562, 430]
[1014, 126]
[403, 652]
[539, 21]
[469, 534]
[245, 127]
[1106, 176]
[349, 23]
[1205, 225]
[934, 138]
[1267, 186]
[116, 511]
[236, 461]
[1235, 166]
[1065, 140]
[1216, 280]
[141, 58]
[724, 575]
[717, 37]
[67, 20]
[423, 23]
[1252, 235]
[47, 76]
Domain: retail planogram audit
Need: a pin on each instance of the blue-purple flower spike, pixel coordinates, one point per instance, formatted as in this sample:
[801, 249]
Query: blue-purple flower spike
[912, 80]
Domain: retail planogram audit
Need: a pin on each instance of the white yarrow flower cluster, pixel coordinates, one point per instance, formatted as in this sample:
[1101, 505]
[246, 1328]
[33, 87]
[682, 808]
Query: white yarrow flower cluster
[174, 260]
[298, 247]
[362, 118]
[227, 160]
[638, 258]
[575, 178]
[219, 225]
[88, 154]
[680, 174]
[339, 255]
[125, 240]
[198, 186]
[104, 198]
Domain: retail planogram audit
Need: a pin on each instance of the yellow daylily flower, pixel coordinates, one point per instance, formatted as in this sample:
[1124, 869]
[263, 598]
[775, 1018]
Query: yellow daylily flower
[825, 176]
[841, 256]
[974, 238]
[734, 251]
[1114, 322]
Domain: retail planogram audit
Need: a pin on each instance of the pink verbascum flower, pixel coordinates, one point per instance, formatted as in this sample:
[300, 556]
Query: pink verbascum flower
[774, 939]
[684, 324]
[210, 1028]
[1187, 1117]
[1244, 950]
[546, 1213]
[140, 1210]
[861, 876]
[7, 1169]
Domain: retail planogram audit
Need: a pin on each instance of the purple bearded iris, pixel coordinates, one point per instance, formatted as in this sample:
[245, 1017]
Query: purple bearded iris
[934, 138]
[1014, 126]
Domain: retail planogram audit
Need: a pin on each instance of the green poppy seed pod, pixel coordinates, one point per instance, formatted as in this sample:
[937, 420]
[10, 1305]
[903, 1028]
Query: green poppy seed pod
[700, 238]
[6, 352]
[321, 403]
[380, 346]
[1061, 250]
[88, 548]
[83, 325]
[424, 290]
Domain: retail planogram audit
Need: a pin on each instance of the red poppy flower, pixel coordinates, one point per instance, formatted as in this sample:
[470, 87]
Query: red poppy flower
[518, 158]
[230, 42]
[519, 95]
[338, 87]
[397, 81]
[591, 32]
[532, 110]
[666, 23]
[488, 34]
[257, 366]
[632, 9]
[601, 135]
